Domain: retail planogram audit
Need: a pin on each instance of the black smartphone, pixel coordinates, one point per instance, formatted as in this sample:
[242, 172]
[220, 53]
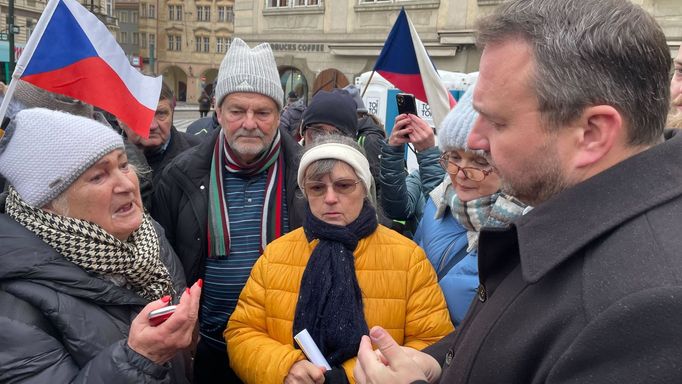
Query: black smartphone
[406, 103]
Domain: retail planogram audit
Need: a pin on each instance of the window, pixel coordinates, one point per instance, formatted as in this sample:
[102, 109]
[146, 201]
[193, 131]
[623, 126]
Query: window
[293, 3]
[133, 17]
[136, 38]
[124, 37]
[174, 42]
[204, 13]
[143, 40]
[221, 13]
[175, 12]
[221, 44]
[152, 11]
[143, 10]
[30, 26]
[110, 7]
[202, 43]
[123, 16]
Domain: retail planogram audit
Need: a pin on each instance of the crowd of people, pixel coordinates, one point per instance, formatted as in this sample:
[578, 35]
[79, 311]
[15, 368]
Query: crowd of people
[536, 242]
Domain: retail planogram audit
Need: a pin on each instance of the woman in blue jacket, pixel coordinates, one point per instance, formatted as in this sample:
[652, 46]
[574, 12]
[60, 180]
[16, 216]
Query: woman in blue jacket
[459, 207]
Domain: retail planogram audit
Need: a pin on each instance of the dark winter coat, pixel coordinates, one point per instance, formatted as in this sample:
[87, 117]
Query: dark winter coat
[409, 192]
[203, 126]
[179, 142]
[371, 138]
[64, 325]
[204, 103]
[291, 117]
[181, 200]
[586, 288]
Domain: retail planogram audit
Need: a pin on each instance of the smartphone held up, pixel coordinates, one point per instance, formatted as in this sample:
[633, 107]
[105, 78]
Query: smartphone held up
[406, 103]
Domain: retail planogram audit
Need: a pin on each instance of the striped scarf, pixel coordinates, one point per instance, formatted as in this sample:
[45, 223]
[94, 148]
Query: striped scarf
[272, 226]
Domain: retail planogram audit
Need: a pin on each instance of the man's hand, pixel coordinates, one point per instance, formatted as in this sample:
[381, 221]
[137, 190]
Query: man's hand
[392, 363]
[305, 372]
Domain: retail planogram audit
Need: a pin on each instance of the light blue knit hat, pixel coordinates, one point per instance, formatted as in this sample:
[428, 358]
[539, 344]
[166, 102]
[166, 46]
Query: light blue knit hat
[43, 152]
[455, 129]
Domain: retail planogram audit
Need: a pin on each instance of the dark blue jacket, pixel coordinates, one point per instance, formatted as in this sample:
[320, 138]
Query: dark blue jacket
[408, 193]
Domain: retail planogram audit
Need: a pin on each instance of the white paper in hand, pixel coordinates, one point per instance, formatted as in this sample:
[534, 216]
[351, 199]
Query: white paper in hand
[311, 350]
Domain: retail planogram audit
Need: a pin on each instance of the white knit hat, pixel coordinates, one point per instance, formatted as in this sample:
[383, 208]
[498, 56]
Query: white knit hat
[457, 125]
[251, 70]
[341, 152]
[43, 152]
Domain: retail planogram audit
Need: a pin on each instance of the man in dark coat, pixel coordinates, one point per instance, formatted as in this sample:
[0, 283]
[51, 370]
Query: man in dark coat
[586, 287]
[165, 142]
[223, 201]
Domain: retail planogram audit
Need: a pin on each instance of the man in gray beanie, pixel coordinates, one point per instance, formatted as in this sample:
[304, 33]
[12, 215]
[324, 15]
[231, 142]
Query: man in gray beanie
[223, 201]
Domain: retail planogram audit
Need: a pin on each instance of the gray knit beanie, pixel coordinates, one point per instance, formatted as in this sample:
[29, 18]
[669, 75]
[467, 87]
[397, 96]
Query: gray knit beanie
[355, 92]
[43, 152]
[251, 70]
[457, 125]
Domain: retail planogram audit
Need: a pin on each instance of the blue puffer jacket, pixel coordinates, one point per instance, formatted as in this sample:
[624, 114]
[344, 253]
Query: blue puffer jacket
[442, 239]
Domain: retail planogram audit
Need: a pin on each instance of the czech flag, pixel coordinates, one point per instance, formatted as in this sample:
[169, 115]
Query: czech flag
[72, 53]
[404, 62]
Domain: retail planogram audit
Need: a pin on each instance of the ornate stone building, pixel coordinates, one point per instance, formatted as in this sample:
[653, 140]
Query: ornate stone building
[185, 42]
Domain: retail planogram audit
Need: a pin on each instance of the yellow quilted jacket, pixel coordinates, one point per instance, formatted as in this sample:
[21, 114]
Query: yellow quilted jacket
[400, 293]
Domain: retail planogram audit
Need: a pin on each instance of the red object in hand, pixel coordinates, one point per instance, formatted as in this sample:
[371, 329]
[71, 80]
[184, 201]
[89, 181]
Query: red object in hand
[160, 315]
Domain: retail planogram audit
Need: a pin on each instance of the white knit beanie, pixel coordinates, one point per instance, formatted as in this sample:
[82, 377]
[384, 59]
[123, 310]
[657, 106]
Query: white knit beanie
[43, 152]
[251, 70]
[457, 125]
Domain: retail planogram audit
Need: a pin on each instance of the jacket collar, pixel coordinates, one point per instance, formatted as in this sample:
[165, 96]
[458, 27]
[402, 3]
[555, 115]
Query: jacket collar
[557, 229]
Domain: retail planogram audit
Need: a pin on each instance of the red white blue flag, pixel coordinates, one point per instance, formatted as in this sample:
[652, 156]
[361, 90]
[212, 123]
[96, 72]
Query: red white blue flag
[404, 62]
[72, 53]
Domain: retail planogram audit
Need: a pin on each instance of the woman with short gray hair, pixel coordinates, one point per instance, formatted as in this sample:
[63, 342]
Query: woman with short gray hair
[336, 277]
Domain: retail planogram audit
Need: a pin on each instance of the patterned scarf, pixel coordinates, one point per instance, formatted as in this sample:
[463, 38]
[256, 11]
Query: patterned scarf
[93, 249]
[272, 225]
[496, 210]
[330, 300]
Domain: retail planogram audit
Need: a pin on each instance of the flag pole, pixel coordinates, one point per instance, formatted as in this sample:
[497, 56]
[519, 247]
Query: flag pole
[26, 55]
[367, 85]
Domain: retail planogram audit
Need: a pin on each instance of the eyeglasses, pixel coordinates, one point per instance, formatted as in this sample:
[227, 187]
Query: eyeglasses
[471, 173]
[341, 186]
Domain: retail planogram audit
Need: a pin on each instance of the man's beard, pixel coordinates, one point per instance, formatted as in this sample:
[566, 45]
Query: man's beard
[248, 149]
[538, 183]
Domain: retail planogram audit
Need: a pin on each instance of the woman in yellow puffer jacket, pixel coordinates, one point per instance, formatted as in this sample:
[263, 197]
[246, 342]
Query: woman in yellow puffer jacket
[336, 277]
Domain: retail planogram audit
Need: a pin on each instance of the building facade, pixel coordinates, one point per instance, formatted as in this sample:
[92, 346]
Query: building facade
[185, 41]
[320, 44]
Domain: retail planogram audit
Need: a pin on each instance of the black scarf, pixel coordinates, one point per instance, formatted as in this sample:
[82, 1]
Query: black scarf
[330, 300]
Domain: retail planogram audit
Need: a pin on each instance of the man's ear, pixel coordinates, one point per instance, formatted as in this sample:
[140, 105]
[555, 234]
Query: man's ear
[600, 131]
